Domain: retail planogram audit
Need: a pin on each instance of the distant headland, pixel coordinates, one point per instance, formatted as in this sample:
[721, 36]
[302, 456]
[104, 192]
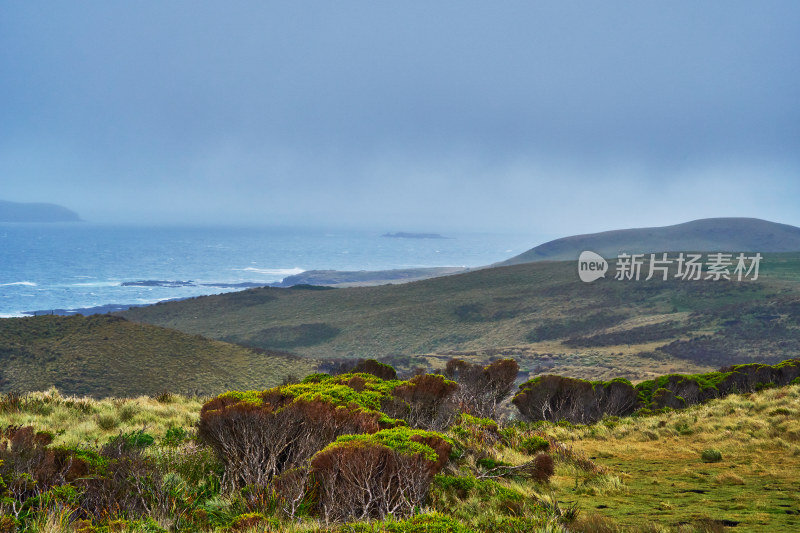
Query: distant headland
[36, 212]
[406, 235]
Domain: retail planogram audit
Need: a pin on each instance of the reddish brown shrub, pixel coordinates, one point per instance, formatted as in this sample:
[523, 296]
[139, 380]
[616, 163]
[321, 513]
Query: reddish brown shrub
[543, 467]
[131, 486]
[482, 388]
[259, 442]
[428, 402]
[555, 398]
[378, 369]
[361, 479]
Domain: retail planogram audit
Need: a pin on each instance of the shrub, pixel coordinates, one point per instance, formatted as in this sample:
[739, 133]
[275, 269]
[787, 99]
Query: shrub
[476, 432]
[711, 456]
[258, 442]
[378, 369]
[487, 463]
[533, 444]
[427, 401]
[374, 476]
[131, 485]
[127, 441]
[482, 388]
[688, 389]
[543, 468]
[554, 398]
[260, 435]
[175, 436]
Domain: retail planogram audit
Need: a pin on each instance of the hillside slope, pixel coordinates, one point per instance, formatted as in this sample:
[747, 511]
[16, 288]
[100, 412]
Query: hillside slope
[108, 356]
[539, 313]
[705, 235]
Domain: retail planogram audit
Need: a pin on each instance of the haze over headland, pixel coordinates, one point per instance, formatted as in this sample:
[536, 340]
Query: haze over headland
[546, 118]
[36, 212]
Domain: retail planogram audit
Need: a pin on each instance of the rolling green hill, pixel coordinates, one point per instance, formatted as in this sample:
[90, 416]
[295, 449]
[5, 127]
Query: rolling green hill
[108, 356]
[539, 313]
[706, 235]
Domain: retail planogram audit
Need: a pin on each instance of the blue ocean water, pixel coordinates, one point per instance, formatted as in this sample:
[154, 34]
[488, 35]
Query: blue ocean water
[80, 265]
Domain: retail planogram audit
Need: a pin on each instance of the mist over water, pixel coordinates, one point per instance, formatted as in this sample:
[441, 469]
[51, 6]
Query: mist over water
[69, 266]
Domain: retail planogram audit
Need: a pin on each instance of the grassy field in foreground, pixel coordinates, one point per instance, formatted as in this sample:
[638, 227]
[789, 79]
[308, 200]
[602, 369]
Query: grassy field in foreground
[663, 477]
[626, 474]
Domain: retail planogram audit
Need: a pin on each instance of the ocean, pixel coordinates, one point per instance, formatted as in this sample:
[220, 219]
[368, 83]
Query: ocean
[76, 266]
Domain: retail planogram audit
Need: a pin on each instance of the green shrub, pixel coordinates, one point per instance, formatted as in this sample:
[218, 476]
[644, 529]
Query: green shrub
[711, 456]
[487, 463]
[532, 445]
[175, 436]
[137, 439]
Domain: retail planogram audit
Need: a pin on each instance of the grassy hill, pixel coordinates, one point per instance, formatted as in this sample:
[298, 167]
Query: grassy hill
[109, 356]
[539, 313]
[710, 234]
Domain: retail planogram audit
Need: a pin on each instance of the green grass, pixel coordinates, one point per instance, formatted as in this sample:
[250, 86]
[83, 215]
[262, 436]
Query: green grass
[75, 420]
[664, 476]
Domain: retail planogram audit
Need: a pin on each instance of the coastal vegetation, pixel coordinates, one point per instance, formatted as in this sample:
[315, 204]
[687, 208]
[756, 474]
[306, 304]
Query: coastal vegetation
[365, 451]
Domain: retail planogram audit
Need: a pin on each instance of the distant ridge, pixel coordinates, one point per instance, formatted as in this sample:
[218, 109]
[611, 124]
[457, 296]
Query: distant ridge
[407, 235]
[705, 235]
[36, 212]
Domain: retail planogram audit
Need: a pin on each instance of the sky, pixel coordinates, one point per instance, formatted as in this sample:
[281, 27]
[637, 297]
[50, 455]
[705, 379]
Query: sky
[548, 118]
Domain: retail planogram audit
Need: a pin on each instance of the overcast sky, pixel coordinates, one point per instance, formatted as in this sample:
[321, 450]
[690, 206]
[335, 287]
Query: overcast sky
[533, 117]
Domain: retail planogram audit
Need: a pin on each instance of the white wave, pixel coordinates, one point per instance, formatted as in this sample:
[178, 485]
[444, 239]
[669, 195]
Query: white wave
[25, 283]
[97, 284]
[282, 272]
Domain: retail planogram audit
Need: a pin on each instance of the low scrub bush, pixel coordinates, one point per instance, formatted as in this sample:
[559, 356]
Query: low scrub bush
[425, 401]
[374, 476]
[124, 442]
[681, 390]
[376, 368]
[711, 456]
[555, 398]
[258, 441]
[482, 388]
